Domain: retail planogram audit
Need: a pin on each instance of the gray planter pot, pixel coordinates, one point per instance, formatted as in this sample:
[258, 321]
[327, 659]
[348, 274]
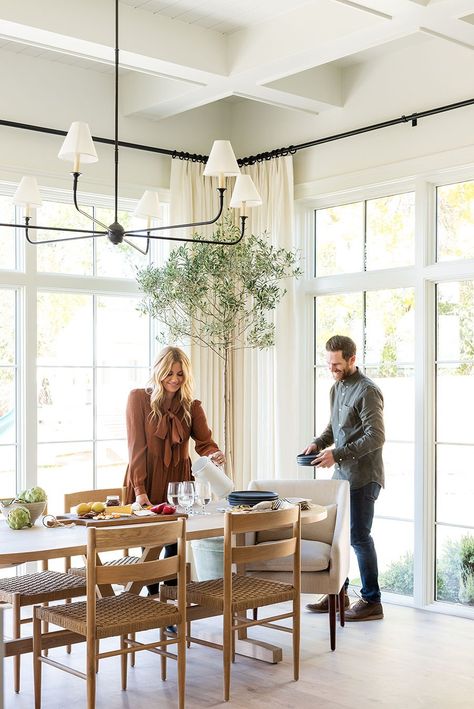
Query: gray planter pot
[208, 558]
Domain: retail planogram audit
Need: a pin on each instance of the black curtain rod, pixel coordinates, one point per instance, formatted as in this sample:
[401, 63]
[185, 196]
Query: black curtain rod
[412, 118]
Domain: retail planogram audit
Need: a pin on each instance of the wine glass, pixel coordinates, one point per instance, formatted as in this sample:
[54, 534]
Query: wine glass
[203, 494]
[186, 495]
[172, 493]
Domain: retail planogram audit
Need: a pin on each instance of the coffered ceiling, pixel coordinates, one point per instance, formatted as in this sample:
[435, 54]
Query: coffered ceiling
[181, 55]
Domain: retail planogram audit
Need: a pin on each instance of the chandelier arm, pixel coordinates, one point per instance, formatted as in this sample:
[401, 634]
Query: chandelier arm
[87, 232]
[140, 232]
[84, 214]
[137, 248]
[202, 241]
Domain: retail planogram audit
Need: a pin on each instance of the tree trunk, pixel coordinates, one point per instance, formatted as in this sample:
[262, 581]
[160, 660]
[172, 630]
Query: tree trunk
[227, 419]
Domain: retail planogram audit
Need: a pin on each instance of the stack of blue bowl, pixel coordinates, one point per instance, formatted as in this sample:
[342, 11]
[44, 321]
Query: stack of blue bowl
[250, 497]
[306, 459]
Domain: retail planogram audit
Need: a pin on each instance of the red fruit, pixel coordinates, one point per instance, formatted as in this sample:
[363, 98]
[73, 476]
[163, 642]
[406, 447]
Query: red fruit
[158, 509]
[168, 510]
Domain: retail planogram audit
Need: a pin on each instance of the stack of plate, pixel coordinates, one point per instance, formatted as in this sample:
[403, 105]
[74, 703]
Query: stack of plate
[306, 459]
[250, 497]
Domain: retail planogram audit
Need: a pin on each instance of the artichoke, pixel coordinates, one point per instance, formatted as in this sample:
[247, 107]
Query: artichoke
[34, 494]
[18, 518]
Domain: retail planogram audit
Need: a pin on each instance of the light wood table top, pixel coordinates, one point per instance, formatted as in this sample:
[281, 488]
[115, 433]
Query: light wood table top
[40, 543]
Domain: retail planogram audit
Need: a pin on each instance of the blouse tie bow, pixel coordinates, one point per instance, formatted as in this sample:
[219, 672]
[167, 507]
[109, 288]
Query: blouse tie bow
[170, 429]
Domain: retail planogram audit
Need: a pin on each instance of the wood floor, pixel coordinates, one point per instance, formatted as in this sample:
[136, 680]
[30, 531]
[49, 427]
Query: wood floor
[410, 660]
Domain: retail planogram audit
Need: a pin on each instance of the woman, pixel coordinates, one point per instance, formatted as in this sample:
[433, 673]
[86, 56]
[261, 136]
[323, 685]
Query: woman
[160, 421]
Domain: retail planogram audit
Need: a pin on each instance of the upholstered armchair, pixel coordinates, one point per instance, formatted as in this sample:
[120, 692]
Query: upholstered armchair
[325, 546]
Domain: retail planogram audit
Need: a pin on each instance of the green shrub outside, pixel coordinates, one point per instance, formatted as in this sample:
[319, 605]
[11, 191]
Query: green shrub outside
[454, 577]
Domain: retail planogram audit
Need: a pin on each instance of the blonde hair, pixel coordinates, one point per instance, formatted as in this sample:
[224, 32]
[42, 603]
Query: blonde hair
[161, 368]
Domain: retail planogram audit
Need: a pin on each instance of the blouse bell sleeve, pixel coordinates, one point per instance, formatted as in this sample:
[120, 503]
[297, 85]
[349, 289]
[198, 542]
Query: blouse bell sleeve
[137, 445]
[200, 431]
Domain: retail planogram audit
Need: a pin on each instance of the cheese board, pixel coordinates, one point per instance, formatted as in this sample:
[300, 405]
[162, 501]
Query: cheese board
[121, 518]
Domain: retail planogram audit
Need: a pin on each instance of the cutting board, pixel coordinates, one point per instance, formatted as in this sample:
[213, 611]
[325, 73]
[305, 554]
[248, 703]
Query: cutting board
[124, 519]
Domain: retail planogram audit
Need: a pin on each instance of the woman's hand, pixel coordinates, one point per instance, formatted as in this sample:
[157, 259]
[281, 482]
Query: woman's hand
[143, 500]
[218, 458]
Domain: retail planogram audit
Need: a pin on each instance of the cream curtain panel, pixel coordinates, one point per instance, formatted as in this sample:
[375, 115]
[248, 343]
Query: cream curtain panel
[265, 384]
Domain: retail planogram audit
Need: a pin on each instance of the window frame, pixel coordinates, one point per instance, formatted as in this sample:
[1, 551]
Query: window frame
[425, 274]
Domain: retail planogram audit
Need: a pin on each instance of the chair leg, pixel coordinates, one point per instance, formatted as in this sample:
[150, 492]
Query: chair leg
[45, 628]
[123, 662]
[16, 632]
[181, 649]
[226, 656]
[332, 619]
[342, 606]
[296, 639]
[163, 658]
[132, 655]
[255, 614]
[36, 659]
[91, 669]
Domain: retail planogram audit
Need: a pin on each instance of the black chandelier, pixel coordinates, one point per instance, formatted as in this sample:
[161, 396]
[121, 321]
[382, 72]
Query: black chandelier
[79, 147]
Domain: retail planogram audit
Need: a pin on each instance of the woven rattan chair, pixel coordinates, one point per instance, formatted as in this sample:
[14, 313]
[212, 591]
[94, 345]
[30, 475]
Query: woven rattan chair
[232, 595]
[123, 614]
[41, 587]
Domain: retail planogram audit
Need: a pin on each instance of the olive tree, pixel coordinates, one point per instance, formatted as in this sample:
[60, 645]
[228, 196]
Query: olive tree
[221, 297]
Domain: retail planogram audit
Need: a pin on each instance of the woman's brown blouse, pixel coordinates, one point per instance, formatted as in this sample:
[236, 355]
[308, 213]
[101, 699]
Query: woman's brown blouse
[158, 452]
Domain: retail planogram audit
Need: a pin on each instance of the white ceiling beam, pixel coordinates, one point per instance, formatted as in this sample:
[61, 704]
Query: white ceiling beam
[86, 29]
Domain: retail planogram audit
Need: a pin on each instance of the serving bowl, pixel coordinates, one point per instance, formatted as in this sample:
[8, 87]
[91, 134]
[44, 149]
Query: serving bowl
[35, 509]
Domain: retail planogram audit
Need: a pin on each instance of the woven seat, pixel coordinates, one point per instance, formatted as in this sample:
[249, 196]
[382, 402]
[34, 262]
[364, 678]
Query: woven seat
[40, 587]
[121, 561]
[247, 592]
[234, 594]
[120, 615]
[115, 615]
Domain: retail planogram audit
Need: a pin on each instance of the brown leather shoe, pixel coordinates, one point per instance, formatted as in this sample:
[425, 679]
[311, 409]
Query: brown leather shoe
[362, 610]
[323, 605]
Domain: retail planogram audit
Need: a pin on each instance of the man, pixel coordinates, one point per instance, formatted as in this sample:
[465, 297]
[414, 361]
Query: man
[357, 431]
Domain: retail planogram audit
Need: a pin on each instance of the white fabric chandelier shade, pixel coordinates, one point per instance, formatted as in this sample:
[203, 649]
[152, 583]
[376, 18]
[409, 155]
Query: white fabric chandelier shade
[78, 144]
[27, 193]
[245, 193]
[221, 160]
[148, 206]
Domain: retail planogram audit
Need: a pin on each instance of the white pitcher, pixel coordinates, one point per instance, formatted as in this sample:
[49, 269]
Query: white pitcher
[204, 469]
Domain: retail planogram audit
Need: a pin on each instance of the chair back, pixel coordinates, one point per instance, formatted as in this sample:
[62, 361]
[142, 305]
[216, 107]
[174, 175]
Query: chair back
[237, 525]
[156, 534]
[71, 499]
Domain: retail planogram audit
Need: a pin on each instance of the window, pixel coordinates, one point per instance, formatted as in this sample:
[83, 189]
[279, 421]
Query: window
[455, 221]
[8, 258]
[88, 256]
[454, 443]
[382, 325]
[8, 393]
[70, 323]
[430, 444]
[365, 236]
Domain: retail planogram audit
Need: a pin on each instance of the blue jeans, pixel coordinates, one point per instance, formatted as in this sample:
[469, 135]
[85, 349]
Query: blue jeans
[362, 515]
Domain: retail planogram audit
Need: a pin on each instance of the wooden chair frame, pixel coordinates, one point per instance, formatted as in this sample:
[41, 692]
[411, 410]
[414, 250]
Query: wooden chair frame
[122, 614]
[233, 595]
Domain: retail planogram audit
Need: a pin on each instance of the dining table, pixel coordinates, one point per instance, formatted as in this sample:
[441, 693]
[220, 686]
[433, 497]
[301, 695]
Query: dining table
[42, 543]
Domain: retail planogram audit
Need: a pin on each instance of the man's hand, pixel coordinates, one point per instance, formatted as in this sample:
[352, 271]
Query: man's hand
[324, 460]
[312, 448]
